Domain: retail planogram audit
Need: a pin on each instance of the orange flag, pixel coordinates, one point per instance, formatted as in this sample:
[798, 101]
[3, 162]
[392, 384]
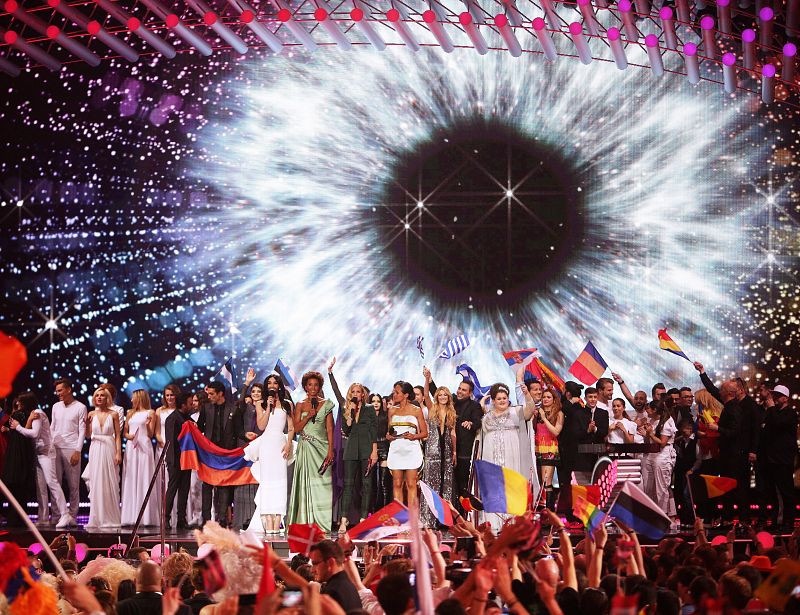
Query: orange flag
[13, 357]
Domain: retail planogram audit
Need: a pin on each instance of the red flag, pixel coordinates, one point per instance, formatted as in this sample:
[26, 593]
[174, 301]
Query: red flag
[302, 536]
[267, 584]
[214, 578]
[13, 357]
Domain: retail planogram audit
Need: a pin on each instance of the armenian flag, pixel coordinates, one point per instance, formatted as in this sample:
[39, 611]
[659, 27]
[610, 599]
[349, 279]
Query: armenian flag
[589, 366]
[215, 465]
[389, 520]
[705, 487]
[502, 489]
[668, 344]
[586, 506]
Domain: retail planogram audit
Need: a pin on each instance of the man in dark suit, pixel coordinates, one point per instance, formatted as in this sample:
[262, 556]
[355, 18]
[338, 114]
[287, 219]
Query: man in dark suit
[179, 480]
[468, 423]
[216, 422]
[147, 600]
[595, 420]
[734, 441]
[327, 565]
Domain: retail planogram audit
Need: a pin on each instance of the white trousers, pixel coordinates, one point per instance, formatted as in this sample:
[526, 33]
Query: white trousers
[73, 474]
[48, 487]
[657, 477]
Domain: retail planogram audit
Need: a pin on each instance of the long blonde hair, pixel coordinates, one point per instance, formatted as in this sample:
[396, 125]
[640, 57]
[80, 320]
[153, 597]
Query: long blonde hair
[446, 411]
[140, 400]
[350, 390]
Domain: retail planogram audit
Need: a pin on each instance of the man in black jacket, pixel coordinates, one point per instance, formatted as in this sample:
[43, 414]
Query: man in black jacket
[216, 421]
[573, 428]
[179, 480]
[327, 559]
[468, 423]
[596, 421]
[147, 600]
[780, 431]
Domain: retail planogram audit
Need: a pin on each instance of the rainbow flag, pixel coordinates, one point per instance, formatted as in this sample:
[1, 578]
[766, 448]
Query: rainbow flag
[705, 487]
[589, 366]
[668, 344]
[586, 506]
[502, 489]
[215, 465]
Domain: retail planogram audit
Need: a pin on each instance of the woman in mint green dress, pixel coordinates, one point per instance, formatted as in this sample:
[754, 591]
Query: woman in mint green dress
[312, 489]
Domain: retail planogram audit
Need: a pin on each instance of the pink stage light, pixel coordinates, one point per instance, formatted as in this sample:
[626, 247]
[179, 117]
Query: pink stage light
[437, 29]
[543, 36]
[589, 20]
[768, 83]
[552, 16]
[362, 17]
[514, 48]
[724, 15]
[749, 48]
[789, 54]
[654, 54]
[709, 38]
[174, 23]
[617, 50]
[466, 21]
[628, 23]
[668, 26]
[135, 25]
[398, 21]
[211, 19]
[579, 40]
[247, 15]
[765, 16]
[729, 72]
[692, 65]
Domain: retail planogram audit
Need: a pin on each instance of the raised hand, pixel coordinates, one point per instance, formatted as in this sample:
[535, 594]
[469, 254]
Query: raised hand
[426, 374]
[251, 375]
[331, 364]
[616, 377]
[699, 367]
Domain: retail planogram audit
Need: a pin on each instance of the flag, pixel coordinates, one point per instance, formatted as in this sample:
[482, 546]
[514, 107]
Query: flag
[635, 509]
[705, 487]
[287, 375]
[470, 503]
[419, 347]
[524, 356]
[422, 581]
[589, 366]
[302, 536]
[267, 584]
[228, 375]
[214, 578]
[215, 465]
[534, 367]
[668, 344]
[502, 489]
[13, 357]
[389, 520]
[468, 374]
[586, 506]
[439, 509]
[454, 346]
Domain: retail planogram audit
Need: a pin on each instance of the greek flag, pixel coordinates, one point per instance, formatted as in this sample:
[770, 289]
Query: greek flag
[228, 375]
[467, 373]
[419, 346]
[454, 346]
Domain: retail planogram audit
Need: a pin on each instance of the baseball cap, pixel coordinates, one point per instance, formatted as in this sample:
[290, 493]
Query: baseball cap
[781, 389]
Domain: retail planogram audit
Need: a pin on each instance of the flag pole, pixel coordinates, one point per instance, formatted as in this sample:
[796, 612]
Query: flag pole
[691, 496]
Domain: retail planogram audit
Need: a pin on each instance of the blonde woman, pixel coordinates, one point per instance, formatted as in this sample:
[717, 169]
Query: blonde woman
[141, 426]
[105, 454]
[548, 424]
[359, 426]
[440, 448]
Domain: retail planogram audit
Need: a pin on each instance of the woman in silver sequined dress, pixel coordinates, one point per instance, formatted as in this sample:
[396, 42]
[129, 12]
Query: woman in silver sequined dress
[440, 447]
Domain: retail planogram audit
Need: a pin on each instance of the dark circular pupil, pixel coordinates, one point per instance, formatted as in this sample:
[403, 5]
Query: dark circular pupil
[481, 209]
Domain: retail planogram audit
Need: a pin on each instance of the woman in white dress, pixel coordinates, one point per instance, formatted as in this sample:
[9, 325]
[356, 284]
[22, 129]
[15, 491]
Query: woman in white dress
[271, 452]
[105, 454]
[504, 437]
[407, 428]
[141, 425]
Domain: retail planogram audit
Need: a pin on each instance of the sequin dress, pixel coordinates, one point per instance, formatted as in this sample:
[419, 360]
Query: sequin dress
[438, 472]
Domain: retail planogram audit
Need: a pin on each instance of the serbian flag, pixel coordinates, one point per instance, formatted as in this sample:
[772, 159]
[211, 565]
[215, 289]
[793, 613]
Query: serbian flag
[668, 344]
[439, 509]
[215, 465]
[535, 367]
[589, 366]
[502, 489]
[388, 521]
[586, 506]
[302, 536]
[635, 509]
[705, 487]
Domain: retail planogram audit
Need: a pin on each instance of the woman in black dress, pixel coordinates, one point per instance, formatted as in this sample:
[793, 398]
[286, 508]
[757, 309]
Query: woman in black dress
[19, 469]
[382, 477]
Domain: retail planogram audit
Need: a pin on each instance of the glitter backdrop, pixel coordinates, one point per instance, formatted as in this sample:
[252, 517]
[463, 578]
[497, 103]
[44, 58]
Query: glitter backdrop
[160, 218]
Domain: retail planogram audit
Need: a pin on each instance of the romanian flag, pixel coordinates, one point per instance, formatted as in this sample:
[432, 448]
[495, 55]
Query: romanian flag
[586, 506]
[216, 466]
[388, 521]
[705, 487]
[668, 344]
[589, 366]
[502, 490]
[534, 366]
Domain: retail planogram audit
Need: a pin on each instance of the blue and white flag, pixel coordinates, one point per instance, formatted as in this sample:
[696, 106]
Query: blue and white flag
[468, 374]
[287, 375]
[228, 375]
[419, 346]
[454, 346]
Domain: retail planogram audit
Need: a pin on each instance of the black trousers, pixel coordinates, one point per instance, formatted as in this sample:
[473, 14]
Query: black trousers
[381, 487]
[223, 496]
[778, 481]
[179, 483]
[736, 465]
[354, 470]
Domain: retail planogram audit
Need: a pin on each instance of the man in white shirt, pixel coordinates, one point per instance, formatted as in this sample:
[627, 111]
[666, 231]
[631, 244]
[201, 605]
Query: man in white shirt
[46, 481]
[69, 431]
[605, 391]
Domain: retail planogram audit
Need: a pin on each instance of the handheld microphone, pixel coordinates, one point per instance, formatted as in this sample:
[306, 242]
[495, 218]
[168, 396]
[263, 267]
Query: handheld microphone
[314, 403]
